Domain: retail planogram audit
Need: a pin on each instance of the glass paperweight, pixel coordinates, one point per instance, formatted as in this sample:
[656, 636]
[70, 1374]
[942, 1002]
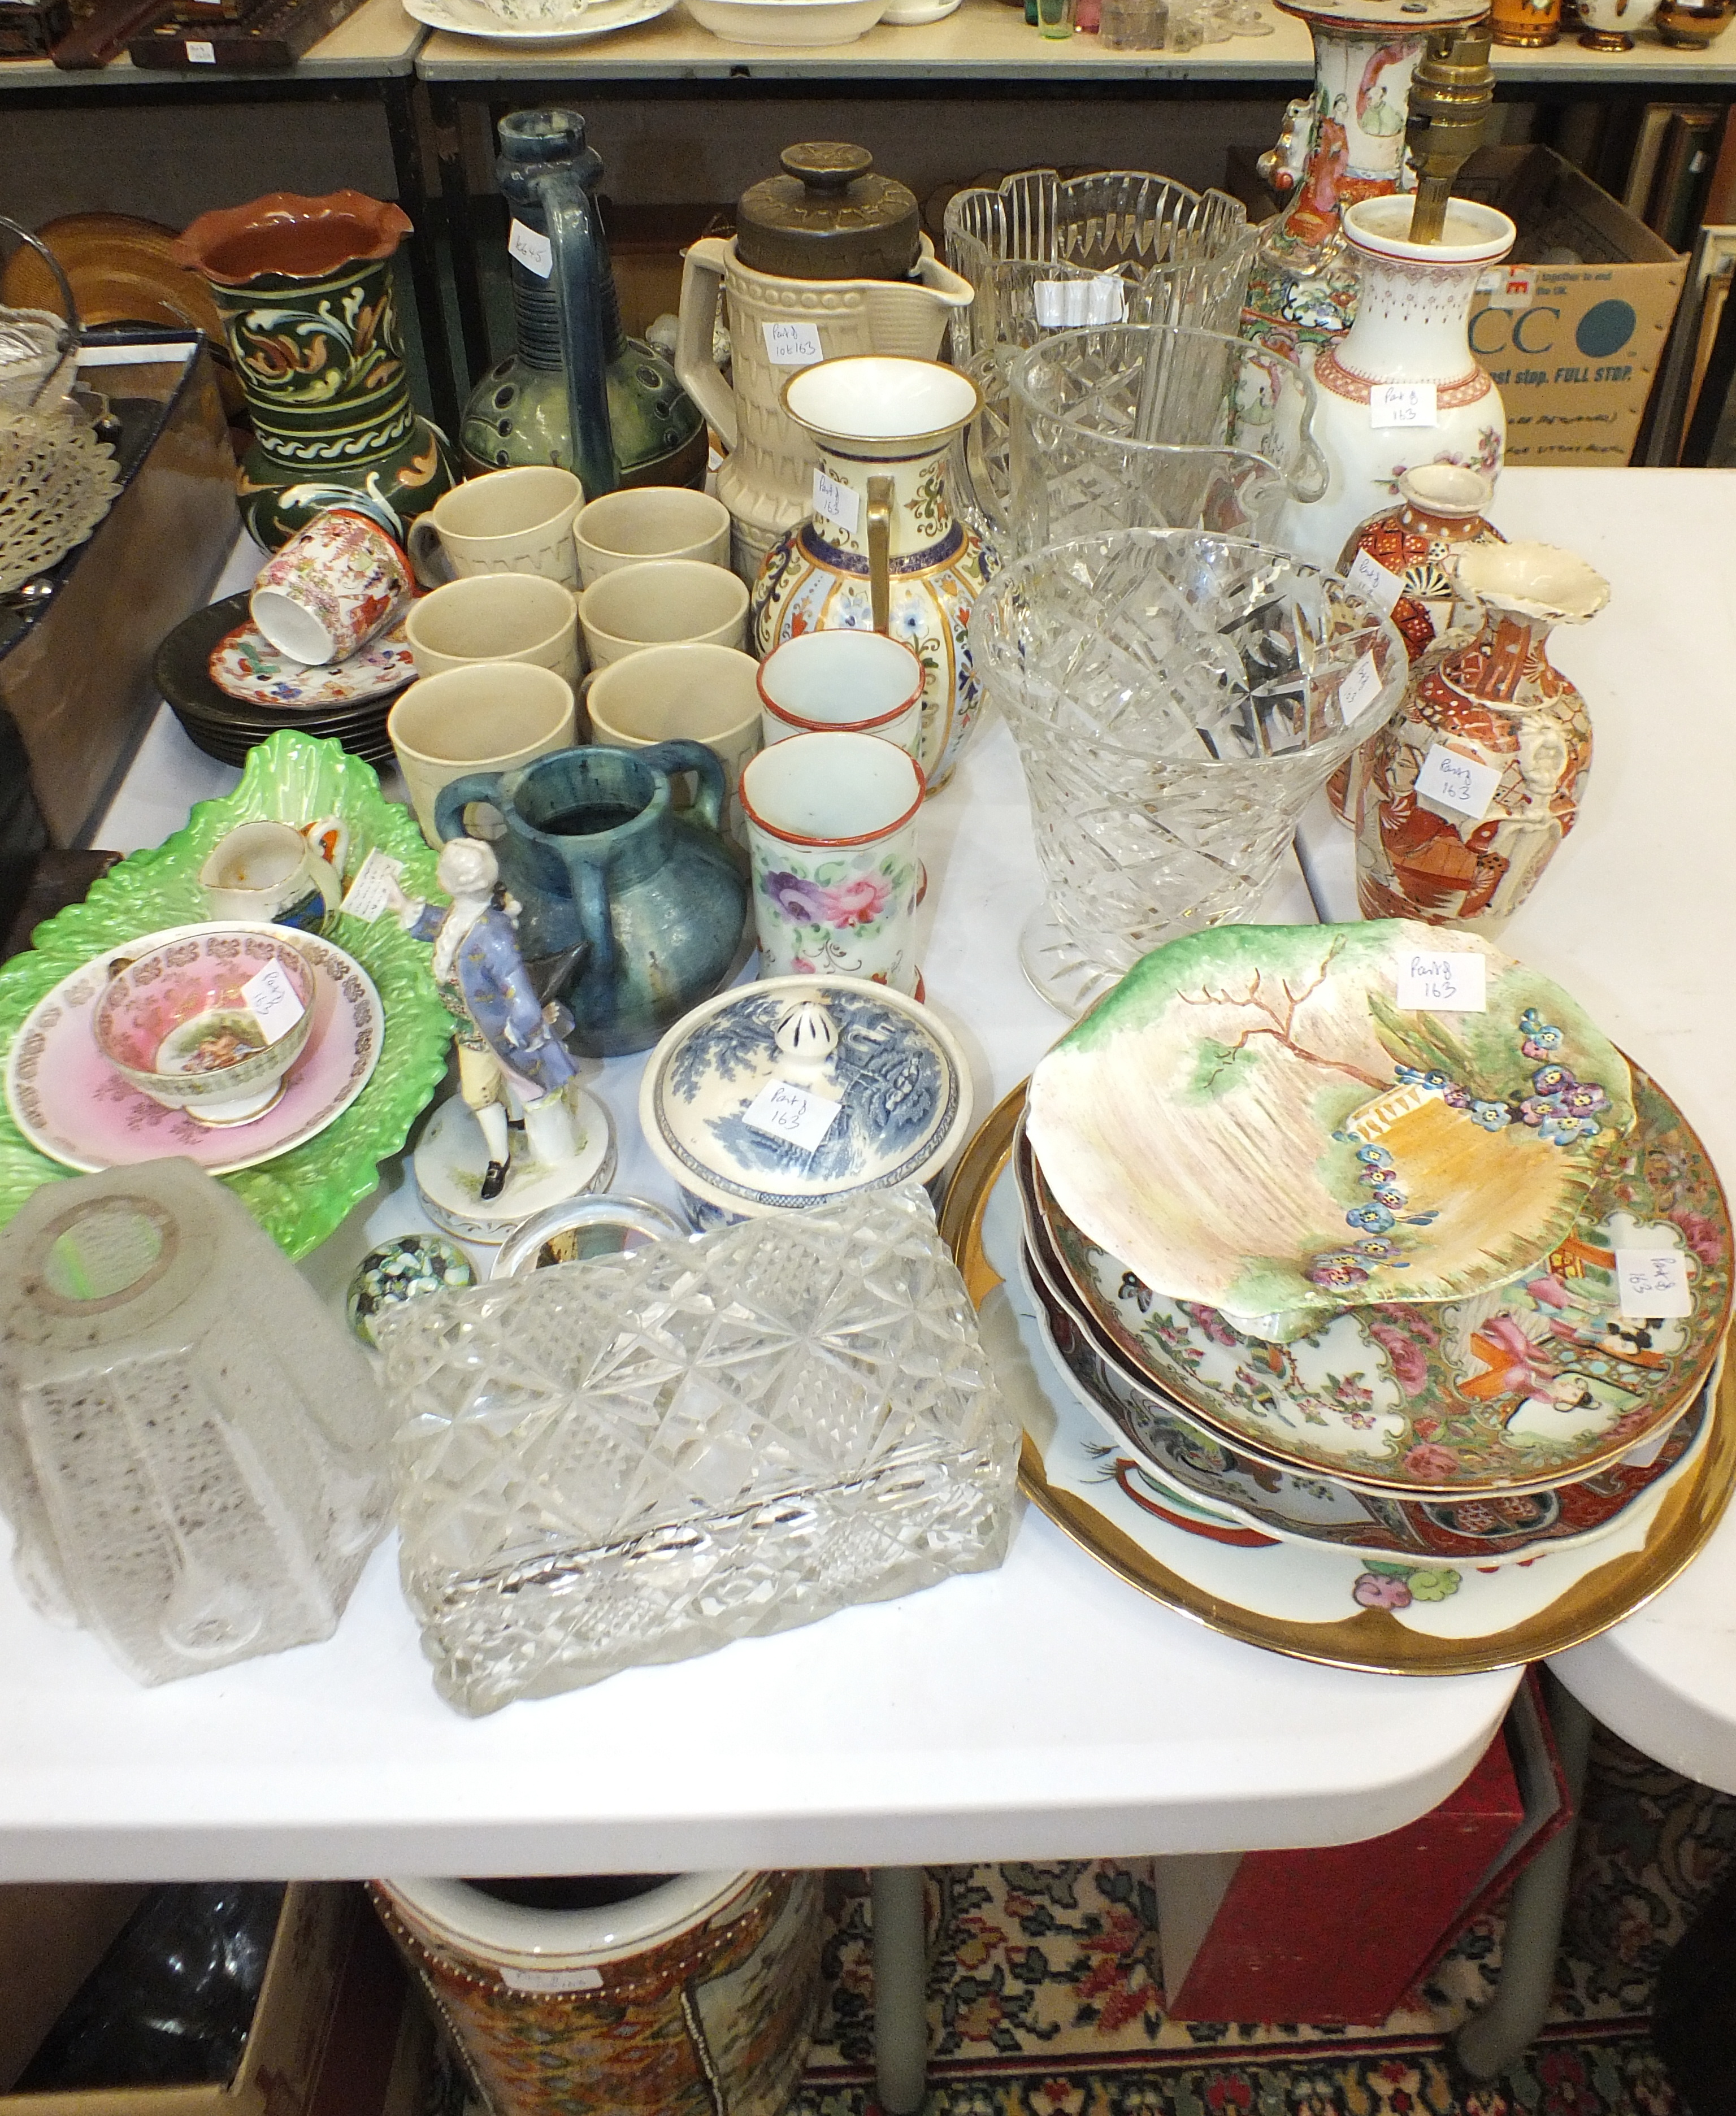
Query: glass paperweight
[641, 1457]
[1177, 697]
[192, 1448]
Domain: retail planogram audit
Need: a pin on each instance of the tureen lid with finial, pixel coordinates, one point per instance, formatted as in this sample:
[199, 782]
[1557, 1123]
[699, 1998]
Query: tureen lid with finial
[797, 1091]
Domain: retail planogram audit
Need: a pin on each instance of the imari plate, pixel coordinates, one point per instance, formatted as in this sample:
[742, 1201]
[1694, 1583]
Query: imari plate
[246, 665]
[1256, 1118]
[1537, 1383]
[1348, 1611]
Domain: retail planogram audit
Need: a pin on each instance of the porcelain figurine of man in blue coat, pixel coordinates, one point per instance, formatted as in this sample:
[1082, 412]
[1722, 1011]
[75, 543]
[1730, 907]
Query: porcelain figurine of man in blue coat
[504, 1041]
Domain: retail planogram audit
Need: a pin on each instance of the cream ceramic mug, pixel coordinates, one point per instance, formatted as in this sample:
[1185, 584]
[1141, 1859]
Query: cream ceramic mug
[832, 832]
[650, 521]
[504, 522]
[688, 691]
[658, 602]
[495, 617]
[484, 717]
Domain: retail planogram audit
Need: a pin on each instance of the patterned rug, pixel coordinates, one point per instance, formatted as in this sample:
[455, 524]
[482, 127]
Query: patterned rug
[1046, 1994]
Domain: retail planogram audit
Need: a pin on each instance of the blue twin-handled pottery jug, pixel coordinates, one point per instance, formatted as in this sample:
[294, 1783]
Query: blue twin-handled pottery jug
[631, 911]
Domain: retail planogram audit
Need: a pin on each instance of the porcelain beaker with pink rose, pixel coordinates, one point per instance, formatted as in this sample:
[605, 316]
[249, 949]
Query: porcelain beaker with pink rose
[832, 831]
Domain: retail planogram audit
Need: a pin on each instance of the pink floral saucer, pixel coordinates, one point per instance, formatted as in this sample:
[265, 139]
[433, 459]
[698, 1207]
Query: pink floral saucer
[246, 665]
[72, 1105]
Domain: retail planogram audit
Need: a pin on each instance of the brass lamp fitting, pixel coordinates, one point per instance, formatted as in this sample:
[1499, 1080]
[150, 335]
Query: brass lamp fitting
[1451, 93]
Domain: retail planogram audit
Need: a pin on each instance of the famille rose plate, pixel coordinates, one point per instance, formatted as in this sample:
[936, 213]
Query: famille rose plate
[1536, 1384]
[246, 665]
[1286, 1079]
[1179, 1467]
[1349, 1609]
[71, 1104]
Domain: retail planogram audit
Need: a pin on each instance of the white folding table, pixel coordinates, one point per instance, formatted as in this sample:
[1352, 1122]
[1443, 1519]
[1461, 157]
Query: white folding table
[1043, 1710]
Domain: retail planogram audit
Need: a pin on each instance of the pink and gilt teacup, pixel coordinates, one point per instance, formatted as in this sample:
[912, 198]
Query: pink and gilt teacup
[333, 586]
[178, 1022]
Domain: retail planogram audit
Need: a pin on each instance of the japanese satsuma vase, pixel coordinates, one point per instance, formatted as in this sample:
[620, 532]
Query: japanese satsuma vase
[304, 287]
[1461, 838]
[899, 562]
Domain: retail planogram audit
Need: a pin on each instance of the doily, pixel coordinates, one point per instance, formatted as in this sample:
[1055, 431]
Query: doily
[57, 482]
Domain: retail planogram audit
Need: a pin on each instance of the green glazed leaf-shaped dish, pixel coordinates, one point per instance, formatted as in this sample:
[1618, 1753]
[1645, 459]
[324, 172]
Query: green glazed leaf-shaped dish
[1251, 1121]
[302, 1197]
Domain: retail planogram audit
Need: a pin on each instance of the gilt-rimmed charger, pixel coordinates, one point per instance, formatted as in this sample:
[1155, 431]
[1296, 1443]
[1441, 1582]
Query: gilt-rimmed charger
[1348, 1609]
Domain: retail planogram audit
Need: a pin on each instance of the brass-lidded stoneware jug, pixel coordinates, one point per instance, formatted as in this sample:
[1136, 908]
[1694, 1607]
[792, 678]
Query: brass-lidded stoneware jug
[828, 259]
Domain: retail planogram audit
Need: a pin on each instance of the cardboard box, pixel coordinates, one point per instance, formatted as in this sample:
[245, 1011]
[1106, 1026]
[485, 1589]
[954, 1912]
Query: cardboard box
[281, 2064]
[1573, 348]
[1339, 1936]
[645, 244]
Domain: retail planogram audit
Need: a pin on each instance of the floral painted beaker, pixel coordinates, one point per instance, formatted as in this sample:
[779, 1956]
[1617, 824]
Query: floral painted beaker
[831, 833]
[1468, 790]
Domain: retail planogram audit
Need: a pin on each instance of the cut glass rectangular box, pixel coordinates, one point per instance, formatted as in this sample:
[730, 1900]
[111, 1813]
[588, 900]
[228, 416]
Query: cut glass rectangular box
[639, 1458]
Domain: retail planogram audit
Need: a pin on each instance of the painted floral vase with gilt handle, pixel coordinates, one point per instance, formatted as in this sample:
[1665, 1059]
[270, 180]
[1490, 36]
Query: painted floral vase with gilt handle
[883, 549]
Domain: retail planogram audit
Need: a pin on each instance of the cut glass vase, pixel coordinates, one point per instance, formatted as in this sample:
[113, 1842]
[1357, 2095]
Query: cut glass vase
[1177, 697]
[638, 1458]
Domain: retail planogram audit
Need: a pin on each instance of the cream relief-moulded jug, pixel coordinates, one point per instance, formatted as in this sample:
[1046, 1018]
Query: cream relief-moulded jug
[828, 260]
[881, 549]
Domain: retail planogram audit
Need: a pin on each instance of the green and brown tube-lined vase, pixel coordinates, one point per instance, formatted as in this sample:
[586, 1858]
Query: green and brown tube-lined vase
[304, 287]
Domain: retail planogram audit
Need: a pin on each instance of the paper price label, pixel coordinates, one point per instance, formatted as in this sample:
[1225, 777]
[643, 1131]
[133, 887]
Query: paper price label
[793, 345]
[271, 999]
[1379, 589]
[1508, 285]
[834, 502]
[365, 897]
[781, 1110]
[1647, 1452]
[200, 53]
[1360, 690]
[1458, 783]
[1652, 1283]
[552, 1980]
[1402, 404]
[535, 252]
[1070, 304]
[1444, 982]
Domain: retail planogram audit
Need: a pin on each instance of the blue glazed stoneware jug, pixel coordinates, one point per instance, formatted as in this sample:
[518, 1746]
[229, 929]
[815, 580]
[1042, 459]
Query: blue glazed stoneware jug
[631, 913]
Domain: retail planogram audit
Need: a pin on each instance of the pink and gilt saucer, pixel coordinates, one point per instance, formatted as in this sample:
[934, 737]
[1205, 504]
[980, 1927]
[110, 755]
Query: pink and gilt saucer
[245, 665]
[72, 1105]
